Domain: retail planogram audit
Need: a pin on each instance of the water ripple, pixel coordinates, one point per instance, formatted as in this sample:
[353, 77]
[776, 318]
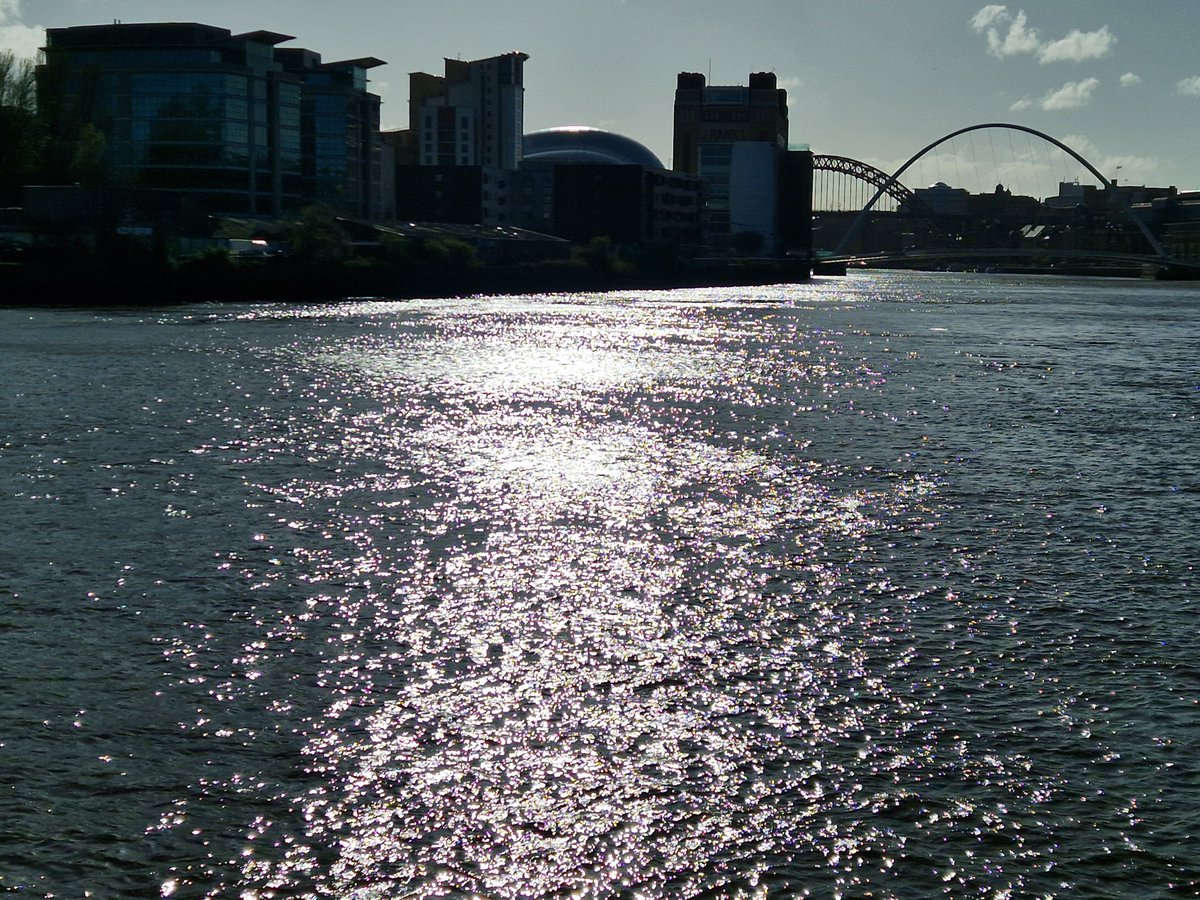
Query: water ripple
[835, 590]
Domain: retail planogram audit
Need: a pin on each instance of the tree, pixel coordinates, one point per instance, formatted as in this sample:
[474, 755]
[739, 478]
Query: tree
[319, 237]
[599, 254]
[20, 134]
[87, 162]
[72, 121]
[18, 87]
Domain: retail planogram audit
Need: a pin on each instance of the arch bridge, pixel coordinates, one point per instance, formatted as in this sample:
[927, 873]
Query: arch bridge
[864, 172]
[890, 186]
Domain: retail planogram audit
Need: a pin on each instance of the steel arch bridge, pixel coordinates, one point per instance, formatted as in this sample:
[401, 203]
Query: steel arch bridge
[891, 183]
[843, 165]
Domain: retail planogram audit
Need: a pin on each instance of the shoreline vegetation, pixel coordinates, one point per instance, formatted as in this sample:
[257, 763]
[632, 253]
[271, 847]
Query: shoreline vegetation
[69, 281]
[82, 278]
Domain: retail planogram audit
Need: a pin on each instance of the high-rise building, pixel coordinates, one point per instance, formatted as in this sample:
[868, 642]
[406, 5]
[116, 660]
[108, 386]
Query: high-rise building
[213, 120]
[732, 136]
[473, 115]
[339, 128]
[458, 160]
[709, 116]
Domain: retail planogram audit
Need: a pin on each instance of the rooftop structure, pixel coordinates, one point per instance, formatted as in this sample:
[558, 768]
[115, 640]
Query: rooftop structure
[708, 116]
[578, 143]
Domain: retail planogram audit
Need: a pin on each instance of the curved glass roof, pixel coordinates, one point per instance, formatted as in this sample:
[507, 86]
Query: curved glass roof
[578, 143]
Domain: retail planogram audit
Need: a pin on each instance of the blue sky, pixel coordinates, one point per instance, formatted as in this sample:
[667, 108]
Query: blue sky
[875, 80]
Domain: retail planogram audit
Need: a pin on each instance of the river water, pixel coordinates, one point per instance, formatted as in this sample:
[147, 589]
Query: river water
[880, 586]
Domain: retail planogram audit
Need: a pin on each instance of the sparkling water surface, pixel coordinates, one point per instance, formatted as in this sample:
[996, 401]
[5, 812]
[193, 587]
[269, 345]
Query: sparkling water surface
[871, 587]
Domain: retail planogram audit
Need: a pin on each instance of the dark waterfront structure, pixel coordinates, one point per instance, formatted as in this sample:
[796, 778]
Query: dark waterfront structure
[735, 137]
[339, 126]
[582, 183]
[711, 117]
[220, 122]
[160, 128]
[1081, 228]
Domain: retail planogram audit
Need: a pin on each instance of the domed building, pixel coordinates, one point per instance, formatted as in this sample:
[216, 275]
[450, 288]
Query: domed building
[582, 144]
[588, 182]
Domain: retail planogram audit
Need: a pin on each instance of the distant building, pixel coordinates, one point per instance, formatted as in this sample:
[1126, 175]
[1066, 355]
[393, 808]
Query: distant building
[473, 115]
[942, 200]
[1181, 224]
[339, 126]
[735, 137]
[216, 121]
[465, 129]
[581, 183]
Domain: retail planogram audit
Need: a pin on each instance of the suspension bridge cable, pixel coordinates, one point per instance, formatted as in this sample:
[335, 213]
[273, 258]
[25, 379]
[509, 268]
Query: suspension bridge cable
[1012, 155]
[975, 162]
[991, 143]
[1047, 167]
[1036, 164]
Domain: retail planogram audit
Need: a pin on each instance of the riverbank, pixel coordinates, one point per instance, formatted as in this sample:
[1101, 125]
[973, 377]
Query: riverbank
[82, 282]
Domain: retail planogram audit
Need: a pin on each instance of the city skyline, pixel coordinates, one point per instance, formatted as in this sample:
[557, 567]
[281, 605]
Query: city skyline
[876, 82]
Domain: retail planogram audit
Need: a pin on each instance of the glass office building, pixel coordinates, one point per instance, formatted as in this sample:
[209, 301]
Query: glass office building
[341, 158]
[217, 120]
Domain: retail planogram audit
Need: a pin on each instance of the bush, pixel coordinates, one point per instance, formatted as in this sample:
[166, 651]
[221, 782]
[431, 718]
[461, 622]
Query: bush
[319, 237]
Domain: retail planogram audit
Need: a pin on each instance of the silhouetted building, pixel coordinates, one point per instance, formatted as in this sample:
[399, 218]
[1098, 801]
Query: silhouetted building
[710, 117]
[465, 135]
[581, 183]
[1181, 224]
[215, 120]
[449, 194]
[339, 128]
[473, 115]
[795, 202]
[942, 200]
[735, 137]
[465, 195]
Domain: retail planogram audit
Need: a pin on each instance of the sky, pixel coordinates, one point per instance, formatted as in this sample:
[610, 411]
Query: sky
[874, 80]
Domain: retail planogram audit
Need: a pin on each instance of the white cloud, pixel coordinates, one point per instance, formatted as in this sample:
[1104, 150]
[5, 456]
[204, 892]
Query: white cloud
[1129, 79]
[24, 40]
[1072, 95]
[1189, 86]
[1016, 40]
[1020, 39]
[793, 87]
[989, 16]
[1078, 46]
[1134, 169]
[1084, 146]
[1009, 35]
